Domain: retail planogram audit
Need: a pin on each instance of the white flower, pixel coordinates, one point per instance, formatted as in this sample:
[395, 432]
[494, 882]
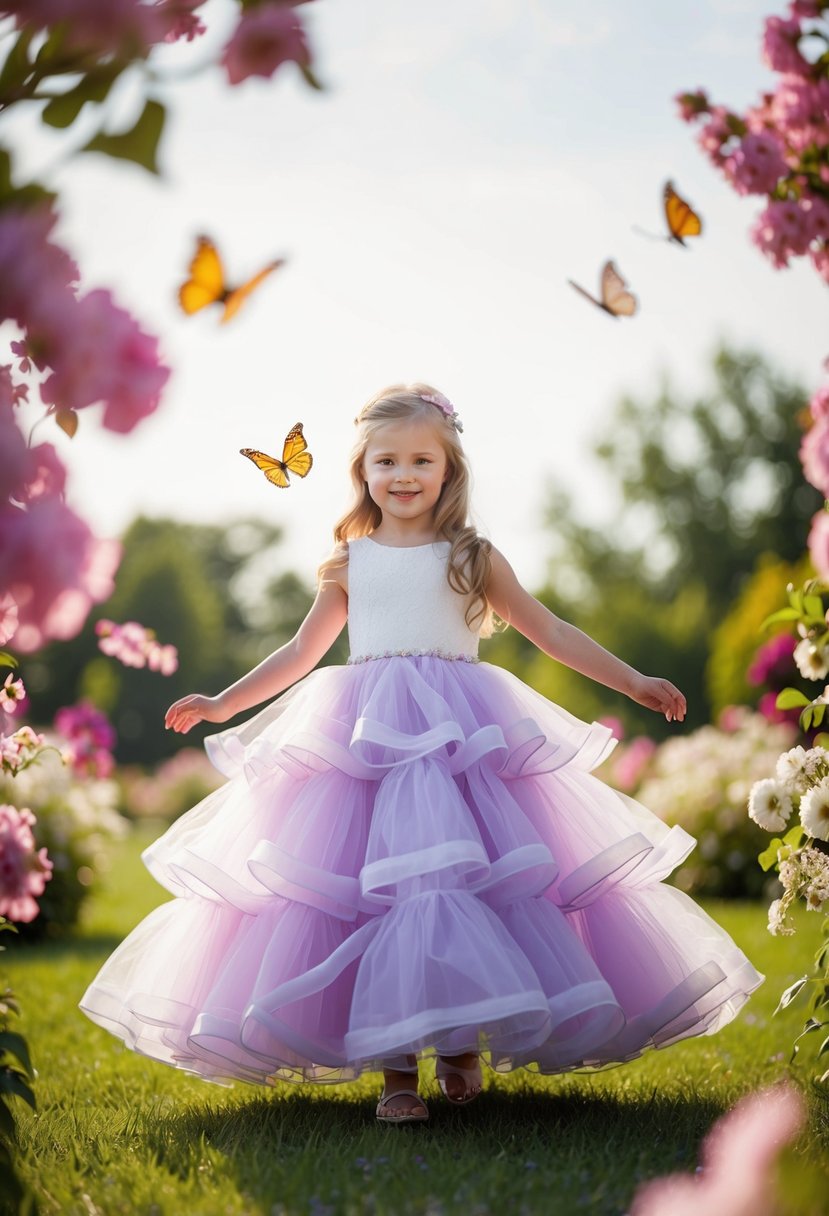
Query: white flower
[777, 920]
[812, 661]
[791, 770]
[769, 804]
[815, 762]
[814, 810]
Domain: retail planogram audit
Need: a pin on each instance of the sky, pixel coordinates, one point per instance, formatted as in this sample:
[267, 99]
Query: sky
[462, 162]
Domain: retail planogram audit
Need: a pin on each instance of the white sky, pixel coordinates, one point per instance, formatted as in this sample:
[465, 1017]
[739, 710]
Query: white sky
[463, 162]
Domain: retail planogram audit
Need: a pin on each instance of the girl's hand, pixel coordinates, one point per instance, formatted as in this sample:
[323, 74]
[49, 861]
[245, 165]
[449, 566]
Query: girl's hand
[187, 712]
[661, 696]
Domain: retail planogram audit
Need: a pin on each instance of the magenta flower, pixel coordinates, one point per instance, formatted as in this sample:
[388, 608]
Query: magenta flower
[47, 474]
[266, 37]
[24, 871]
[90, 737]
[739, 1154]
[94, 26]
[16, 464]
[814, 455]
[773, 661]
[820, 261]
[756, 165]
[11, 694]
[182, 21]
[53, 568]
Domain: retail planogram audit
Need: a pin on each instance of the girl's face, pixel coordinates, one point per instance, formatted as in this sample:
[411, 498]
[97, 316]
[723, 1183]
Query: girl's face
[404, 468]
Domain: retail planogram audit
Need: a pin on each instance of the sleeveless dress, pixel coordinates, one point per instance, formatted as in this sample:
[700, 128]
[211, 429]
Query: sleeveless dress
[412, 856]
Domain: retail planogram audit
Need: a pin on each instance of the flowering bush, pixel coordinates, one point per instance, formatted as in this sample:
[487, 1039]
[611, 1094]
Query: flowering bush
[701, 781]
[24, 870]
[780, 147]
[77, 823]
[90, 738]
[175, 786]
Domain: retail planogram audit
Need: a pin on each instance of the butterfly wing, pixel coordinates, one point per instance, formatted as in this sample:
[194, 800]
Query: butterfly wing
[237, 296]
[680, 216]
[295, 455]
[616, 299]
[273, 469]
[206, 283]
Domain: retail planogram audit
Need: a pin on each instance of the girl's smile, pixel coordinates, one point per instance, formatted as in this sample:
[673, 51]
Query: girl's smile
[405, 468]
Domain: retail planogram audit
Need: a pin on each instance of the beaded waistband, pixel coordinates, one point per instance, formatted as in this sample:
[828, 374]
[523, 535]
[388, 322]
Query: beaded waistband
[414, 654]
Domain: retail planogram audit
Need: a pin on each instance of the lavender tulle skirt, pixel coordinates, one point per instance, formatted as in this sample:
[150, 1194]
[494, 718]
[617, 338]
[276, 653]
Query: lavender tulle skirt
[412, 856]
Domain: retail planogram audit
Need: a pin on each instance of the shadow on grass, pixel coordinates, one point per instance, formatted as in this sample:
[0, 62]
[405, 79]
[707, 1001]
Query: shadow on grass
[291, 1149]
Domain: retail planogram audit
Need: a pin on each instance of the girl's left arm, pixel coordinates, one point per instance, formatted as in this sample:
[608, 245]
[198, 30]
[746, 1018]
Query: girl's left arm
[571, 646]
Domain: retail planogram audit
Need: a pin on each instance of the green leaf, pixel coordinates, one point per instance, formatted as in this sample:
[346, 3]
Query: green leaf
[7, 660]
[806, 718]
[139, 144]
[5, 173]
[17, 66]
[16, 1045]
[791, 698]
[784, 614]
[821, 740]
[62, 111]
[813, 605]
[791, 992]
[794, 836]
[818, 713]
[13, 1082]
[310, 78]
[768, 857]
[7, 1128]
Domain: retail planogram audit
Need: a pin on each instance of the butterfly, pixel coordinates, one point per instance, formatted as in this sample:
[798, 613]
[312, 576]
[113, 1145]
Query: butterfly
[206, 284]
[680, 216]
[615, 297]
[295, 458]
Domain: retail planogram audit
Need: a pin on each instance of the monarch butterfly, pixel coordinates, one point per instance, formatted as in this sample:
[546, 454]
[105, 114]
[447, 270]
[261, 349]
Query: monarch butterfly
[206, 284]
[680, 216]
[295, 458]
[615, 297]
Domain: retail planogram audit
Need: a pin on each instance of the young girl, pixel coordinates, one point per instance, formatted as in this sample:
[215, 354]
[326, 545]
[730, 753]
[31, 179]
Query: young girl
[411, 856]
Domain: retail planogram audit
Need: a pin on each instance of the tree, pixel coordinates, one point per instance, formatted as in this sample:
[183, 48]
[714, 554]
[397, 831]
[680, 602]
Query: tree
[706, 487]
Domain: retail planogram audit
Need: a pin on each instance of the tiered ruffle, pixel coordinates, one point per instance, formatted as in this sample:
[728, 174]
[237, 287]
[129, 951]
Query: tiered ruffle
[411, 855]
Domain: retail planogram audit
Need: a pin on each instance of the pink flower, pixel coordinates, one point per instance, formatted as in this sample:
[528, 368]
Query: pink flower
[739, 1154]
[756, 165]
[817, 218]
[820, 261]
[266, 37]
[819, 543]
[91, 738]
[767, 706]
[47, 475]
[36, 277]
[614, 725]
[782, 230]
[780, 45]
[799, 110]
[162, 658]
[24, 871]
[819, 404]
[17, 751]
[16, 462]
[181, 19]
[11, 693]
[732, 718]
[95, 26]
[714, 134]
[8, 618]
[109, 360]
[773, 661]
[630, 766]
[53, 568]
[814, 456]
[806, 8]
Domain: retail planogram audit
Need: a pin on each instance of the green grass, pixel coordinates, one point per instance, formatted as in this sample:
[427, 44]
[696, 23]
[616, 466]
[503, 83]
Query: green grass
[117, 1133]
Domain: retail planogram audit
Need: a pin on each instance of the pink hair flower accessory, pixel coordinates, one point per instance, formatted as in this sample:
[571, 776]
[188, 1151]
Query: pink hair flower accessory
[445, 406]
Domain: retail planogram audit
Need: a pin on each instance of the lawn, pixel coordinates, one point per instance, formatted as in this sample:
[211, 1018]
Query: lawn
[117, 1133]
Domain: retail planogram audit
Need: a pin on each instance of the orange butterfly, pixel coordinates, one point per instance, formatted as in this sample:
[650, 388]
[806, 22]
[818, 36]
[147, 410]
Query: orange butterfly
[616, 300]
[680, 216]
[295, 458]
[206, 284]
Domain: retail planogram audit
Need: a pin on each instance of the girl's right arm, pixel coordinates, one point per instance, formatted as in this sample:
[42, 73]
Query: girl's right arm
[289, 663]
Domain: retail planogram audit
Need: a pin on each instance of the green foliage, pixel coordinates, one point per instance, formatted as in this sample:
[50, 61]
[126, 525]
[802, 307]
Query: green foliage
[706, 488]
[16, 1076]
[736, 639]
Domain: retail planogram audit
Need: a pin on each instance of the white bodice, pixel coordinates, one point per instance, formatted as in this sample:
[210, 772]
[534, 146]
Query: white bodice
[400, 602]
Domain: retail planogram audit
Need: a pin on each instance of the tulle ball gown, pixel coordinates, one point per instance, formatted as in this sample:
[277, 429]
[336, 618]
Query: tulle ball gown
[411, 855]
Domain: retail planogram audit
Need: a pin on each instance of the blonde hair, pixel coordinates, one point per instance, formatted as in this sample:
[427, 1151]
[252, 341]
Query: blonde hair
[468, 567]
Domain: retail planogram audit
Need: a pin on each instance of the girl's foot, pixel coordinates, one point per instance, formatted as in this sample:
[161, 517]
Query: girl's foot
[400, 1102]
[459, 1077]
